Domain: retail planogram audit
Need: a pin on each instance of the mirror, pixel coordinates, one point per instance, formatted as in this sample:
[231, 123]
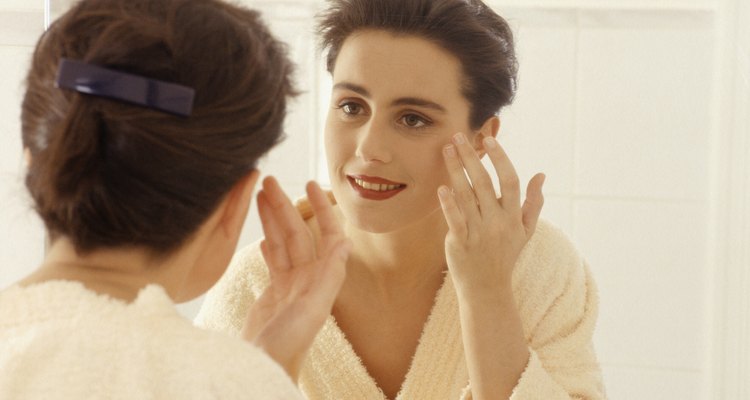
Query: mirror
[638, 114]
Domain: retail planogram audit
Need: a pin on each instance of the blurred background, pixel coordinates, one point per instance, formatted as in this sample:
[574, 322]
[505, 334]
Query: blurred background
[638, 111]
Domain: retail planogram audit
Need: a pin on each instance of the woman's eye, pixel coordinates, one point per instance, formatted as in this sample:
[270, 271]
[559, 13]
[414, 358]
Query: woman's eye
[414, 121]
[351, 108]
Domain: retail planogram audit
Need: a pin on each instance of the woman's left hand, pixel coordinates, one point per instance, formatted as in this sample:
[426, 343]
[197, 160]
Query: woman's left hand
[486, 233]
[305, 276]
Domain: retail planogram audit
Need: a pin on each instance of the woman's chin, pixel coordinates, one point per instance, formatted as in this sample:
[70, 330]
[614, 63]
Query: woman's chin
[379, 222]
[373, 224]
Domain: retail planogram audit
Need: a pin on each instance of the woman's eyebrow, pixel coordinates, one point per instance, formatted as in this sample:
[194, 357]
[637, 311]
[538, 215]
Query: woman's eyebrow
[353, 87]
[416, 101]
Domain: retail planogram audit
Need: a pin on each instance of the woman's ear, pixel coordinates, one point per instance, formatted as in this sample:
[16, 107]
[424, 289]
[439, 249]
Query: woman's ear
[491, 127]
[216, 240]
[237, 204]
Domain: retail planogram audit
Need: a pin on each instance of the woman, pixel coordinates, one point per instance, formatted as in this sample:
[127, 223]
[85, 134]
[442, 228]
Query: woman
[143, 121]
[450, 292]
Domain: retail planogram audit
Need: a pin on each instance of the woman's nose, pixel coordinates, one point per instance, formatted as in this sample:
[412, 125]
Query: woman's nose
[373, 142]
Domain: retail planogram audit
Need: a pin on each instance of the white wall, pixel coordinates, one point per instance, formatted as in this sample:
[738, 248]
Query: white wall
[21, 233]
[730, 210]
[614, 104]
[624, 104]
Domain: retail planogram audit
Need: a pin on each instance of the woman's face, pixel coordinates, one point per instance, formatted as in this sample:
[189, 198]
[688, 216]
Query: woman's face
[396, 102]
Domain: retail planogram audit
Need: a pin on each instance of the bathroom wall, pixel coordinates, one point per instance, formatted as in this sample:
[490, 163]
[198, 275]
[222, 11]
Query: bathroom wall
[21, 233]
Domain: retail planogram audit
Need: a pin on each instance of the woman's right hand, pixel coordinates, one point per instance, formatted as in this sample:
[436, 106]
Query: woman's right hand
[305, 276]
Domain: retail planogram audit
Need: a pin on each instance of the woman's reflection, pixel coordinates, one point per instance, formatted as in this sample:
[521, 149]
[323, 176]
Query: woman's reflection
[450, 292]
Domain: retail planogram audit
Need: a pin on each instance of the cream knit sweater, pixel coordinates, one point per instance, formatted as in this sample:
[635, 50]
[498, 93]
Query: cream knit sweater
[555, 294]
[59, 340]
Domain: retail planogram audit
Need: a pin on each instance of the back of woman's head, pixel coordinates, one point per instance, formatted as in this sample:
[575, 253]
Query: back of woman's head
[106, 173]
[479, 38]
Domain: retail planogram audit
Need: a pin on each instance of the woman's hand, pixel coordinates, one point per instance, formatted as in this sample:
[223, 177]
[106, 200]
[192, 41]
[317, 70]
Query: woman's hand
[305, 276]
[486, 233]
[485, 237]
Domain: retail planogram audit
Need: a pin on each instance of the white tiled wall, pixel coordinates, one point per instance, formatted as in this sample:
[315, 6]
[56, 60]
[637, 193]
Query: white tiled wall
[626, 383]
[643, 105]
[649, 261]
[614, 106]
[730, 355]
[21, 233]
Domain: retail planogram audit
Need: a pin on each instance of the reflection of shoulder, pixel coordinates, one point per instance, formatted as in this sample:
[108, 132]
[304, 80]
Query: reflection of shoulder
[249, 269]
[225, 305]
[548, 266]
[549, 244]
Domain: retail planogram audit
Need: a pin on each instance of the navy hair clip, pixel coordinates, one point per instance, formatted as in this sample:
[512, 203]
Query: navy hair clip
[135, 89]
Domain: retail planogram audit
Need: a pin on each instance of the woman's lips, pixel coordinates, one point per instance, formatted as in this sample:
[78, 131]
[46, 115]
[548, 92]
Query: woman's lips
[374, 188]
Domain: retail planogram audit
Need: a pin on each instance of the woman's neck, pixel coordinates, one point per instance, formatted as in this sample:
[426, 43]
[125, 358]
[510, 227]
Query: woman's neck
[407, 259]
[118, 273]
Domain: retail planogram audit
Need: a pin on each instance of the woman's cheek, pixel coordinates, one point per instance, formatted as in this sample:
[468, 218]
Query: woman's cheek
[335, 144]
[433, 165]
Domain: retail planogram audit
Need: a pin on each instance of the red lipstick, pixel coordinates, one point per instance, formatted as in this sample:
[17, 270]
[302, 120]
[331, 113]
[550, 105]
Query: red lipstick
[357, 181]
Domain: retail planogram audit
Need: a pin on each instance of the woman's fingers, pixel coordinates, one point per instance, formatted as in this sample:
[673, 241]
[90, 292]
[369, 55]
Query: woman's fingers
[510, 190]
[296, 236]
[334, 247]
[289, 327]
[288, 315]
[453, 216]
[273, 246]
[532, 207]
[463, 193]
[481, 182]
[330, 229]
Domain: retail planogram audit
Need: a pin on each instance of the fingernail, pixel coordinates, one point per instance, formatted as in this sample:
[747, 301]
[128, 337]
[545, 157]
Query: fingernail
[459, 138]
[443, 192]
[490, 142]
[449, 151]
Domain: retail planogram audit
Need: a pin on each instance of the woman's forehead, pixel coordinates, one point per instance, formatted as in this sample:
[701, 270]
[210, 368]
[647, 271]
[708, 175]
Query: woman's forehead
[408, 65]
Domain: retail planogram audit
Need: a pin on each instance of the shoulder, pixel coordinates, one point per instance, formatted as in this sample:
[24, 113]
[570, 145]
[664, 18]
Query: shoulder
[232, 368]
[197, 360]
[549, 244]
[549, 268]
[549, 252]
[160, 354]
[248, 269]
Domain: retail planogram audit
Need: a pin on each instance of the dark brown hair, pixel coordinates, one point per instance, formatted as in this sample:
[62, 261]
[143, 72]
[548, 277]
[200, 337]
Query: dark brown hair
[479, 38]
[105, 173]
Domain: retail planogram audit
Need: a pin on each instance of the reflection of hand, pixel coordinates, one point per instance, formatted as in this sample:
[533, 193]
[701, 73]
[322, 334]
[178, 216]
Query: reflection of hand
[485, 237]
[486, 234]
[305, 276]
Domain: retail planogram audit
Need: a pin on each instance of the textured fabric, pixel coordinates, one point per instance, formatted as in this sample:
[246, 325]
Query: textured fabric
[557, 301]
[59, 340]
